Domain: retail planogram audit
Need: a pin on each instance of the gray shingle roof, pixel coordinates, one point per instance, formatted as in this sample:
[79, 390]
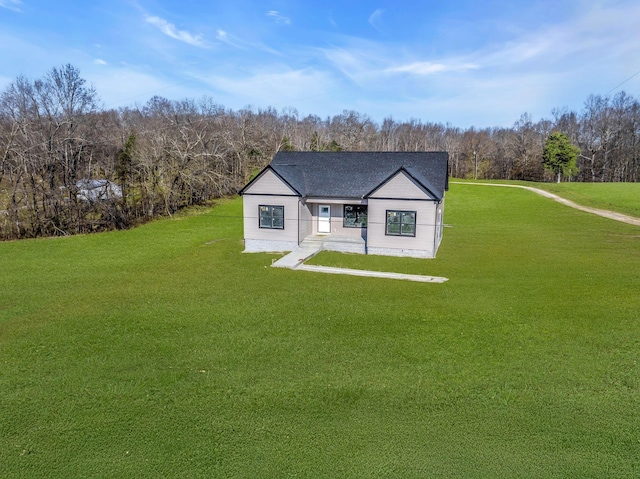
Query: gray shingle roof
[350, 174]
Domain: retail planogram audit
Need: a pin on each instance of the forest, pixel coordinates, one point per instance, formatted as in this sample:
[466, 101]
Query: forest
[57, 140]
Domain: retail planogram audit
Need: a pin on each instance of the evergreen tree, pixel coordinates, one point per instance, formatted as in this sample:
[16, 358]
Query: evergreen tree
[559, 155]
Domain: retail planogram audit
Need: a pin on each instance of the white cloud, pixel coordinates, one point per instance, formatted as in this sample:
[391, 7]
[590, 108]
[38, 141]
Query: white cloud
[224, 37]
[371, 64]
[124, 86]
[359, 61]
[430, 68]
[276, 17]
[535, 70]
[596, 35]
[551, 64]
[170, 30]
[13, 5]
[277, 86]
[374, 18]
[236, 42]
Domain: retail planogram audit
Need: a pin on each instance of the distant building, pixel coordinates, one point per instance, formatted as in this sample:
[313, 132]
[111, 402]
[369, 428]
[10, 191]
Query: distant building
[98, 190]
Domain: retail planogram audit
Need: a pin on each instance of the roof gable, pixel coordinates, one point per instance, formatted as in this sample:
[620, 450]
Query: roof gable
[403, 184]
[268, 182]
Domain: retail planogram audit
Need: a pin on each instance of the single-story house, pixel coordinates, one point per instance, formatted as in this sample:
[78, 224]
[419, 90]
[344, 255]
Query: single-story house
[385, 203]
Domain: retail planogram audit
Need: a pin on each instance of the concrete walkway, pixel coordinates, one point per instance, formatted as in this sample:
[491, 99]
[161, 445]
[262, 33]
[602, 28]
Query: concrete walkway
[612, 215]
[309, 248]
[373, 274]
[298, 256]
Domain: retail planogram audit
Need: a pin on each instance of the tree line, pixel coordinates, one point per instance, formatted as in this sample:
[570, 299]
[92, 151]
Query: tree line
[166, 155]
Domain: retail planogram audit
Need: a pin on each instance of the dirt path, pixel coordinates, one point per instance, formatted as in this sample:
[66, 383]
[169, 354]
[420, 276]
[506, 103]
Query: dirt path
[632, 220]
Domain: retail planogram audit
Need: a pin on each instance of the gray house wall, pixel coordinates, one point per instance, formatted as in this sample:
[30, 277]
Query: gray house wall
[305, 228]
[420, 246]
[258, 239]
[439, 225]
[401, 193]
[269, 190]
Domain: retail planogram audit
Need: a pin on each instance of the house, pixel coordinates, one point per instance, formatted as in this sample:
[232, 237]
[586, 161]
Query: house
[384, 203]
[97, 190]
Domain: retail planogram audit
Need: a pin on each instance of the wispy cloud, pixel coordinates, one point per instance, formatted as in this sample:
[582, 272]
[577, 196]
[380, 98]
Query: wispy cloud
[276, 17]
[276, 86]
[13, 5]
[431, 68]
[598, 34]
[374, 19]
[465, 67]
[232, 40]
[125, 85]
[170, 30]
[353, 62]
[367, 63]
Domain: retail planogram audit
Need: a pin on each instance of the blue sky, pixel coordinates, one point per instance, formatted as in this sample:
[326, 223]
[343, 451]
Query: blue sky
[467, 63]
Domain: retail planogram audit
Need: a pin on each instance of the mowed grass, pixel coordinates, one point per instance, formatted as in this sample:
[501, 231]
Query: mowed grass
[620, 197]
[165, 352]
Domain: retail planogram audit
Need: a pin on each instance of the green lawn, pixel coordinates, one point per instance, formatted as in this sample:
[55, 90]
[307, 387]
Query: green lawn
[620, 197]
[165, 352]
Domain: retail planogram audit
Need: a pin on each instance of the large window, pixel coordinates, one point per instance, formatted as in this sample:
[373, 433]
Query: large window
[401, 223]
[355, 216]
[272, 217]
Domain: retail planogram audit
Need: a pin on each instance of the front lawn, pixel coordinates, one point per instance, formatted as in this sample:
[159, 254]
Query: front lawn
[164, 351]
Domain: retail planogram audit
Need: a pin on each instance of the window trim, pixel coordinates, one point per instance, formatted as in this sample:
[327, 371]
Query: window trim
[344, 215]
[400, 233]
[271, 208]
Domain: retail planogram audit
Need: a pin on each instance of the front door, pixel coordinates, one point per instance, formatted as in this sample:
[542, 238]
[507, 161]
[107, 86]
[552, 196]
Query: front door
[324, 218]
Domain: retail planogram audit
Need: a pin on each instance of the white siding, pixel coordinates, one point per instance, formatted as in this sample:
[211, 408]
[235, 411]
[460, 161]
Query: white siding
[269, 184]
[420, 245]
[400, 186]
[252, 231]
[439, 225]
[306, 221]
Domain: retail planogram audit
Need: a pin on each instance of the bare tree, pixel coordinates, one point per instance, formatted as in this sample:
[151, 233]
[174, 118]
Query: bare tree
[167, 155]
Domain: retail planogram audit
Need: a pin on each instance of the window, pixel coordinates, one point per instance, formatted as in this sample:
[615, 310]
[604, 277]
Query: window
[401, 223]
[355, 216]
[272, 217]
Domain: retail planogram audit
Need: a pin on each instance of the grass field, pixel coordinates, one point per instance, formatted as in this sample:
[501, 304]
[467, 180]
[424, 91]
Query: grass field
[165, 352]
[619, 197]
